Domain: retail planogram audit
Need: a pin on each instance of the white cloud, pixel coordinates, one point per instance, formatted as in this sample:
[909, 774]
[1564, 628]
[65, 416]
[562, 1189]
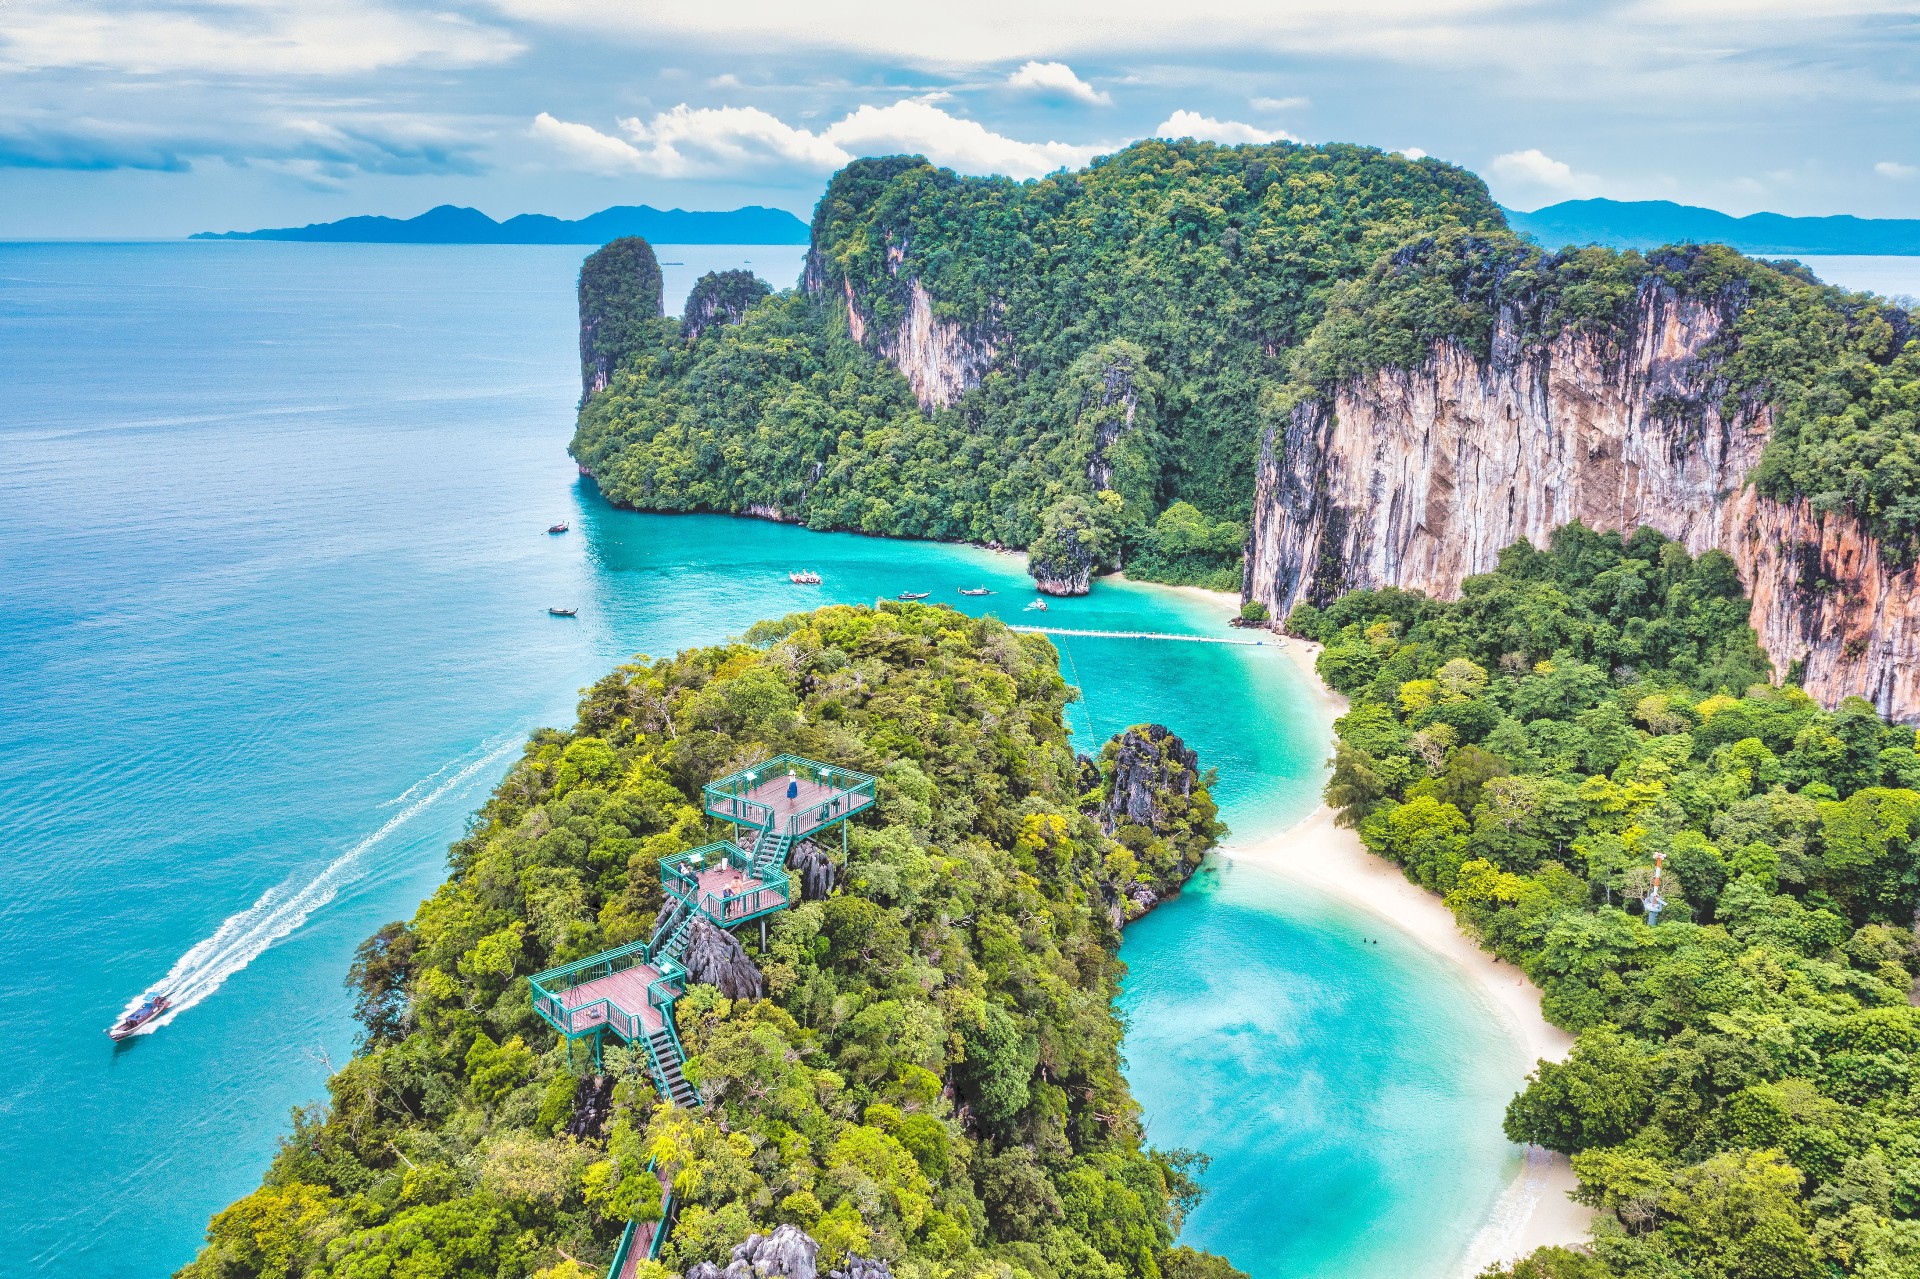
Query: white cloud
[1413, 153]
[733, 141]
[1279, 104]
[1191, 124]
[244, 38]
[1895, 170]
[1533, 171]
[1057, 80]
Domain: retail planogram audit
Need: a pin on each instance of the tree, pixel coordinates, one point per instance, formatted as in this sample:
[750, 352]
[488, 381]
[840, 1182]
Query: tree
[1599, 1096]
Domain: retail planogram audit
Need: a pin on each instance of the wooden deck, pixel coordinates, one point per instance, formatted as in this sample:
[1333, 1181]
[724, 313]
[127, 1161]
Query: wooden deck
[810, 798]
[625, 990]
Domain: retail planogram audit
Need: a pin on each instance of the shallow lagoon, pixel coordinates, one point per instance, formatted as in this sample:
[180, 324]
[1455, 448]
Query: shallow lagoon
[273, 614]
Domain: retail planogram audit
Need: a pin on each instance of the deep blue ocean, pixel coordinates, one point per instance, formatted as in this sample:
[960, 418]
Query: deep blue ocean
[274, 581]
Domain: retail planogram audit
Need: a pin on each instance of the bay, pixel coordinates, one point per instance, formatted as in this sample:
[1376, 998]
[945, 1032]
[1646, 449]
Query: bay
[274, 581]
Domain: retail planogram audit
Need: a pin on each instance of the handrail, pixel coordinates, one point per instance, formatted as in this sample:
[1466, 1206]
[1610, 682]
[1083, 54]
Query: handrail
[591, 961]
[626, 1243]
[666, 1214]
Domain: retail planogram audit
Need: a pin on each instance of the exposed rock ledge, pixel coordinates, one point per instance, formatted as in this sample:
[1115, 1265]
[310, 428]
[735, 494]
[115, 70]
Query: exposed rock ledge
[1418, 479]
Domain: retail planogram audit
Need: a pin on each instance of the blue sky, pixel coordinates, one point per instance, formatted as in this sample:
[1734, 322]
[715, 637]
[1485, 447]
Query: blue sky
[160, 117]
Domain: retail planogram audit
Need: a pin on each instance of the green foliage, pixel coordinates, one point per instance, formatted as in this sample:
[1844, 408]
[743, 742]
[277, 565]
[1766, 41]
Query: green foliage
[1741, 1087]
[1140, 311]
[620, 303]
[934, 1078]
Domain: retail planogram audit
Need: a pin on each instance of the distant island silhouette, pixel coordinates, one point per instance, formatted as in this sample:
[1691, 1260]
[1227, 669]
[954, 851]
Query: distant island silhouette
[453, 224]
[1648, 224]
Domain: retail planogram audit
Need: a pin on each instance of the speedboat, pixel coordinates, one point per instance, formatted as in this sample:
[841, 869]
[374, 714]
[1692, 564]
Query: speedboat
[806, 577]
[1039, 604]
[913, 595]
[978, 590]
[561, 527]
[152, 1007]
[562, 612]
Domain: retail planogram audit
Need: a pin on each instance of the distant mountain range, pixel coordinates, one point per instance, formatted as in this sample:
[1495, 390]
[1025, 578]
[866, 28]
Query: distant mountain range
[451, 224]
[1646, 224]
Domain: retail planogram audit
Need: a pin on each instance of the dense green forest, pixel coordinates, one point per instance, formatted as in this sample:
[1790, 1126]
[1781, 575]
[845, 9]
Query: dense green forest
[1743, 1099]
[934, 1078]
[1141, 310]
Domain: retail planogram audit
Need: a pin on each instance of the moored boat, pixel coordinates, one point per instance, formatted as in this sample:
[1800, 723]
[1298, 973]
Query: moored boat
[806, 577]
[913, 595]
[978, 590]
[1039, 604]
[561, 527]
[563, 612]
[152, 1007]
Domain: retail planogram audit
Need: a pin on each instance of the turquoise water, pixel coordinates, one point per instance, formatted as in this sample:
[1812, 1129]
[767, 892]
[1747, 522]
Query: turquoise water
[273, 593]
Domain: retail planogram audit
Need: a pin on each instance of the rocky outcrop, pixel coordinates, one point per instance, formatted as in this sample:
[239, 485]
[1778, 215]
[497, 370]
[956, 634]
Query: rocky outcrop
[1149, 777]
[787, 1253]
[714, 956]
[720, 298]
[1073, 542]
[815, 869]
[862, 1268]
[592, 1107]
[1151, 764]
[619, 298]
[1419, 478]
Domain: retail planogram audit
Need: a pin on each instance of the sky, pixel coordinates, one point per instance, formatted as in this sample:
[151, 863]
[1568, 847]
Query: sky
[156, 118]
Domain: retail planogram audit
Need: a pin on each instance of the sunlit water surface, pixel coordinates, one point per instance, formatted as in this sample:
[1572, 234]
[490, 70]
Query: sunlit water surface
[274, 581]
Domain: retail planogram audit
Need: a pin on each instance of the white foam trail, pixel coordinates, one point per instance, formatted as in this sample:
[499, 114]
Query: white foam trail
[244, 936]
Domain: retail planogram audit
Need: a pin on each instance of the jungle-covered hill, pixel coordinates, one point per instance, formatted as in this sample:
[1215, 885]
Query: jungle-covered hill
[1113, 345]
[934, 1078]
[1743, 1097]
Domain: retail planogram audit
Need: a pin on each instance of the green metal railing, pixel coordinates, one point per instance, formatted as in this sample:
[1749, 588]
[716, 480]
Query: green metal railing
[729, 797]
[764, 893]
[655, 1238]
[550, 986]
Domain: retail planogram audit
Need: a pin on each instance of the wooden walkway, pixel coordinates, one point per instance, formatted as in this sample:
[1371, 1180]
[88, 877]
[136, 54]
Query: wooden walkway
[1146, 635]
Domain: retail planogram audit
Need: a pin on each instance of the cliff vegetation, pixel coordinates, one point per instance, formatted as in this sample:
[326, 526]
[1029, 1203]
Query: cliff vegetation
[930, 1085]
[1742, 1097]
[968, 352]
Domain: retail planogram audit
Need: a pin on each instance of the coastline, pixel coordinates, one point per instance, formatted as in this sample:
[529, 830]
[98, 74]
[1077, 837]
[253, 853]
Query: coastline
[1535, 1210]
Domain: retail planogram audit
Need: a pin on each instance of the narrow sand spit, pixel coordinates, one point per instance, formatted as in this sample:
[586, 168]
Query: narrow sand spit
[1535, 1210]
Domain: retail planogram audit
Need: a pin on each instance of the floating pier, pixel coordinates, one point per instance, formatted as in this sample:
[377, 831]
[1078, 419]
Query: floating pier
[1143, 635]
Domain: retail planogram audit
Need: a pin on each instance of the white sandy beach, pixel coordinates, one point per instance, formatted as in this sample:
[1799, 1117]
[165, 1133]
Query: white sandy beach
[1535, 1210]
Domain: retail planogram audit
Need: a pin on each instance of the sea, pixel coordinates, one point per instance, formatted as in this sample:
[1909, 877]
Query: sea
[274, 588]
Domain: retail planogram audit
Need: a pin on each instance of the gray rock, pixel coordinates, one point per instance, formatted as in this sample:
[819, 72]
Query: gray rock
[1151, 763]
[816, 871]
[715, 956]
[862, 1268]
[705, 1270]
[787, 1253]
[592, 1105]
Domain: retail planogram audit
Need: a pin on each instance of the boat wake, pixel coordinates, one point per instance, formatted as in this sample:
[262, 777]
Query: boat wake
[244, 936]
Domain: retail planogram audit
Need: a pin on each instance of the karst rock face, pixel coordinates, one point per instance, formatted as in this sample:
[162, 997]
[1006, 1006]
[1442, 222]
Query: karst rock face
[1152, 763]
[1417, 478]
[592, 1106]
[619, 298]
[715, 957]
[815, 869]
[787, 1253]
[720, 298]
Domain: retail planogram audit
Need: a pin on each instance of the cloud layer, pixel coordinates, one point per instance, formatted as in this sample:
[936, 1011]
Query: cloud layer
[688, 141]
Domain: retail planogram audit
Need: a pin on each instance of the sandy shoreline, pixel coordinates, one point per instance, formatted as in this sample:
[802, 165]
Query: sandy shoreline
[1534, 1210]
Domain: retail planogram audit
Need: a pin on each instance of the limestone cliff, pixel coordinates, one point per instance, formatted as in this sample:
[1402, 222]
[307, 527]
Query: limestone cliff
[941, 359]
[1418, 478]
